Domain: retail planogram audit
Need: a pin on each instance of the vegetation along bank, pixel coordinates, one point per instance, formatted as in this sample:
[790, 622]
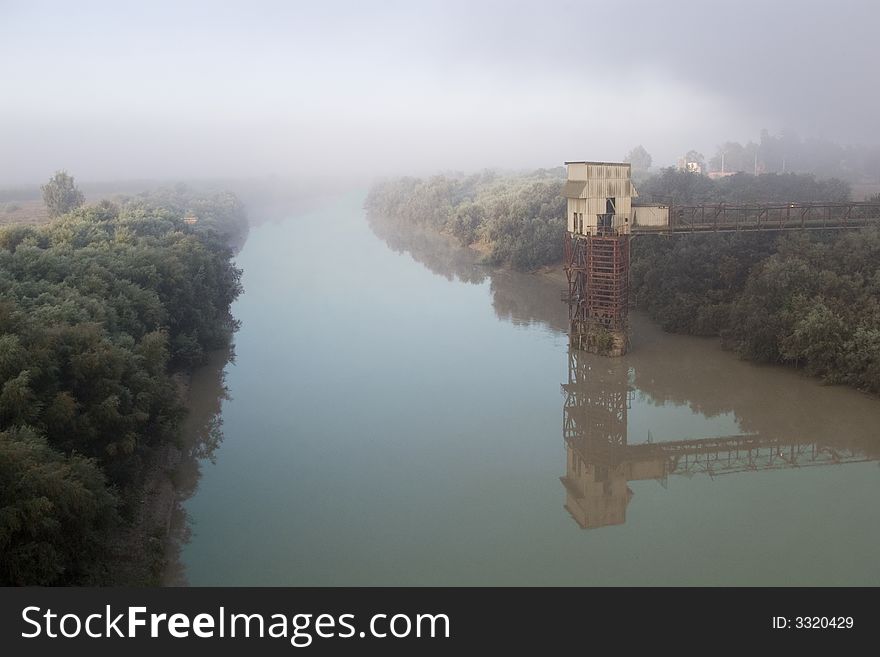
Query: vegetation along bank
[809, 300]
[101, 311]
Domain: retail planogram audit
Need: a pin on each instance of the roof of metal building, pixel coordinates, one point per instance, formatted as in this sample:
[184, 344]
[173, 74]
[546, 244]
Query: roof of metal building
[607, 164]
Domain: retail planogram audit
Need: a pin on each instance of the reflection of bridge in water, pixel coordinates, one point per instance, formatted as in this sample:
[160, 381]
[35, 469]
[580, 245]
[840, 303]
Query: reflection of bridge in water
[600, 461]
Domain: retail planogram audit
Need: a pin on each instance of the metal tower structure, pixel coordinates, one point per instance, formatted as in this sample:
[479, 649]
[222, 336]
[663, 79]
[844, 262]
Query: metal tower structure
[602, 219]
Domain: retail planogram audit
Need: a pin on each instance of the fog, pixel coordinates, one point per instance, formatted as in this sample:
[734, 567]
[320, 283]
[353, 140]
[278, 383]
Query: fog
[113, 90]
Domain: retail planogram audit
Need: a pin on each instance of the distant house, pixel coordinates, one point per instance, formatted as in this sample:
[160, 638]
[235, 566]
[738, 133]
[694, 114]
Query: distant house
[689, 166]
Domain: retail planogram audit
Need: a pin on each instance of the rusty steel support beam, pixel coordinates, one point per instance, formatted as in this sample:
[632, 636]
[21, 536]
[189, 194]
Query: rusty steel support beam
[597, 272]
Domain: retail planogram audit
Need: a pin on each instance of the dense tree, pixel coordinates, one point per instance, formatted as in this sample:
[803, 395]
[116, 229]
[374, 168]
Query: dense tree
[56, 513]
[787, 152]
[685, 187]
[99, 309]
[61, 194]
[807, 300]
[639, 158]
[519, 221]
[732, 157]
[679, 186]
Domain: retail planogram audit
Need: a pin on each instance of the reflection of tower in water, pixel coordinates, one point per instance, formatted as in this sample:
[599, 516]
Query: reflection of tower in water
[600, 461]
[597, 400]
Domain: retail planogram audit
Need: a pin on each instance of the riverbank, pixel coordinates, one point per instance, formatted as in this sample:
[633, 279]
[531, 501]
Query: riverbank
[147, 553]
[807, 300]
[513, 220]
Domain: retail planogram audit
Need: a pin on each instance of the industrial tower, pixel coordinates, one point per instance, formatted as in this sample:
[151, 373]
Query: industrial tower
[596, 256]
[602, 218]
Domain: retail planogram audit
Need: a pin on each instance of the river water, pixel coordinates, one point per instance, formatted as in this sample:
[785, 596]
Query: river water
[398, 415]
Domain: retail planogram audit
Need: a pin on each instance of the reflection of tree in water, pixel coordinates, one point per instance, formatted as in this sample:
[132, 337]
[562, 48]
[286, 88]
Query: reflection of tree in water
[765, 400]
[785, 421]
[201, 435]
[517, 297]
[440, 254]
[528, 299]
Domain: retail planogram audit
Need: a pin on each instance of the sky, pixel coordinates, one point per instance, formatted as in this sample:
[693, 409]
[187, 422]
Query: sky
[126, 90]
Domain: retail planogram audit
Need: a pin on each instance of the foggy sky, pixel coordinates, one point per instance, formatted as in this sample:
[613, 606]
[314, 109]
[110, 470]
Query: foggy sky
[118, 90]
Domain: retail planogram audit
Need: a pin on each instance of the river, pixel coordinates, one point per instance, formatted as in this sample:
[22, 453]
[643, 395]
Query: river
[398, 415]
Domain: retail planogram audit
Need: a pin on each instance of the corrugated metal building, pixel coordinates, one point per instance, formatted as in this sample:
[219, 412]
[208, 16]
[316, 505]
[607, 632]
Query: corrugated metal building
[650, 215]
[599, 196]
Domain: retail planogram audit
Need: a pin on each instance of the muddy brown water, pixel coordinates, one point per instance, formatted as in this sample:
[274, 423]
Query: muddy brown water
[399, 415]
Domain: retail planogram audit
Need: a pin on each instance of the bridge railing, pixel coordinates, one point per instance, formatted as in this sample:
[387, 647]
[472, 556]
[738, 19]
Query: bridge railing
[768, 216]
[711, 456]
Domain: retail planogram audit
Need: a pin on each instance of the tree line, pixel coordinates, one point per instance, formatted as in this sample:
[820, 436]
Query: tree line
[518, 221]
[100, 309]
[781, 153]
[811, 300]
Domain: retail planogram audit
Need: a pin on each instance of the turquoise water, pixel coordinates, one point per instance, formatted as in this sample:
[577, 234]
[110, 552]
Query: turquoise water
[396, 414]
